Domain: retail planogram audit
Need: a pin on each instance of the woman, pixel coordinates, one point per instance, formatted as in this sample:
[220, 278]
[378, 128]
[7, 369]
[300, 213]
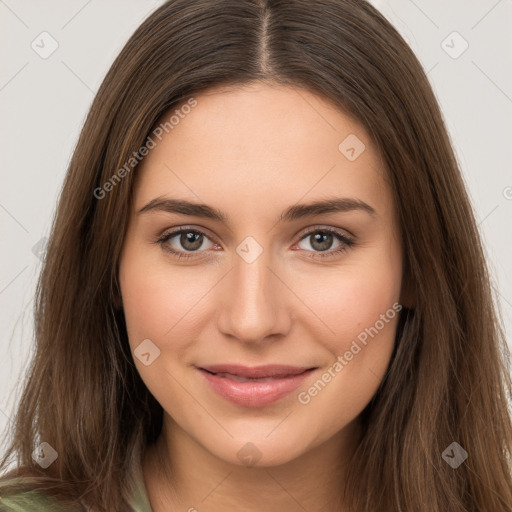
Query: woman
[264, 287]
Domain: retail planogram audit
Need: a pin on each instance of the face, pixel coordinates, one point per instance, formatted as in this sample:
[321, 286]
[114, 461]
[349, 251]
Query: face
[259, 276]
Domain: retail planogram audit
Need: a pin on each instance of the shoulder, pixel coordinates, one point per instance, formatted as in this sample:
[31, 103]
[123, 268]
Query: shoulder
[20, 495]
[30, 500]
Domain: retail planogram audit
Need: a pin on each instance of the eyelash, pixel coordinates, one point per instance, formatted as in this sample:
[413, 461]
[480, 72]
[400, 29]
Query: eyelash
[346, 242]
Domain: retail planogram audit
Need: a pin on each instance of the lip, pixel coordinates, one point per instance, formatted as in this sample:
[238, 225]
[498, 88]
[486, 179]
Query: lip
[274, 382]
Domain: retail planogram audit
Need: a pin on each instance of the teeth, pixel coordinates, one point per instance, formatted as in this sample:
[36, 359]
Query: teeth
[244, 379]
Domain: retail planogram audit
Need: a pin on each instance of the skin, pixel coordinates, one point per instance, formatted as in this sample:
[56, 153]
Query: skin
[252, 152]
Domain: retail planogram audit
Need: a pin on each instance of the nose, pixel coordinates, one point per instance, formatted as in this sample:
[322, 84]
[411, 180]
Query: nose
[253, 304]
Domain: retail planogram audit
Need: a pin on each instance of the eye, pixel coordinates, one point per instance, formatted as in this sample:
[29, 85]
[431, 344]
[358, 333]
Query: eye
[184, 242]
[321, 240]
[187, 240]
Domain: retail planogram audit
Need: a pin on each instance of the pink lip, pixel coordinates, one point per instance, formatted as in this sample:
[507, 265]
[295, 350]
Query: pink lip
[280, 381]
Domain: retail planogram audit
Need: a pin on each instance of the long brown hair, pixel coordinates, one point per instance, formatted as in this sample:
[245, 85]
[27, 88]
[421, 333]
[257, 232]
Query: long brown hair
[448, 380]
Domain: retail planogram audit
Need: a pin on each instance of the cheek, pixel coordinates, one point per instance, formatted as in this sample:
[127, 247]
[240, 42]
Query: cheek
[363, 316]
[157, 299]
[144, 304]
[352, 299]
[361, 307]
[161, 305]
[361, 303]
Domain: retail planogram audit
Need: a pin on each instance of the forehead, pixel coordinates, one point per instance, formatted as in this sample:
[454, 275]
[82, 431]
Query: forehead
[262, 142]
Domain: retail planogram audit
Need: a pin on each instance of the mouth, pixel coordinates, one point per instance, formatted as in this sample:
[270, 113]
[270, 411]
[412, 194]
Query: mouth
[254, 386]
[256, 372]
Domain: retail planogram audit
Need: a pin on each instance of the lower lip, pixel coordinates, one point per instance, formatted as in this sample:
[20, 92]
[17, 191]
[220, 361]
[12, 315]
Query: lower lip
[254, 393]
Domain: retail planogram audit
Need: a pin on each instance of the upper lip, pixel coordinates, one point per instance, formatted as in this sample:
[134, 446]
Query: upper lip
[271, 370]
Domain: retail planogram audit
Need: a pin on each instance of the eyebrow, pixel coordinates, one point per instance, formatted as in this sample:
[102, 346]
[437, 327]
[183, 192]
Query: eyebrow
[295, 212]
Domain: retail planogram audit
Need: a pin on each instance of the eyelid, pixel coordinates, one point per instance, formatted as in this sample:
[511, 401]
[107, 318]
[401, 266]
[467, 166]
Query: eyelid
[329, 229]
[176, 230]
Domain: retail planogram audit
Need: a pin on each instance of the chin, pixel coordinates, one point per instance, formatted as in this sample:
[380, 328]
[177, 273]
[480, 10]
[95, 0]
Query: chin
[258, 451]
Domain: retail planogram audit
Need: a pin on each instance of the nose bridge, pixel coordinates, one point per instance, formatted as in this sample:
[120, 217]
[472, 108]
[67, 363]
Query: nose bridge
[252, 307]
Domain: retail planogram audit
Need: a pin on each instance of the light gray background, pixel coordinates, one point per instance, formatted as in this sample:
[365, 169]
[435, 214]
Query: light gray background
[43, 103]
